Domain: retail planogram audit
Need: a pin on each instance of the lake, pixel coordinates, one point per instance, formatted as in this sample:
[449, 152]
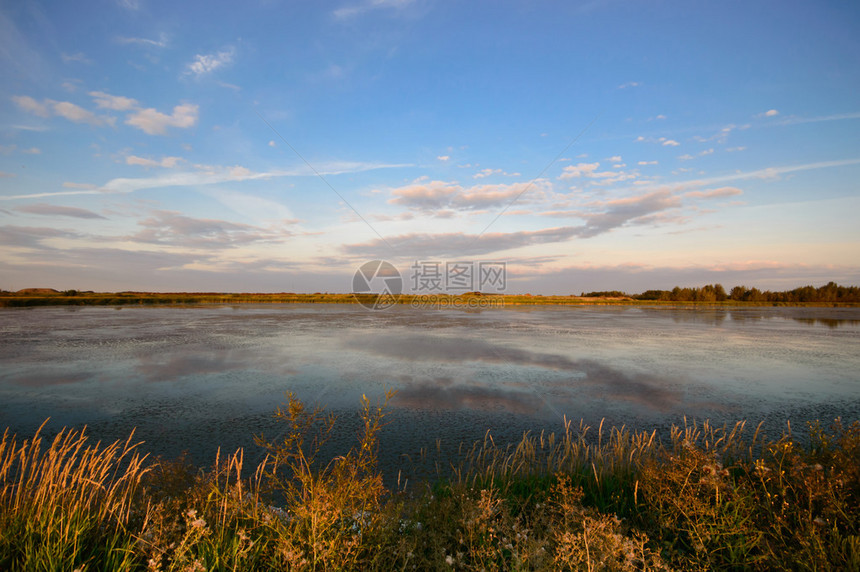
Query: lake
[195, 378]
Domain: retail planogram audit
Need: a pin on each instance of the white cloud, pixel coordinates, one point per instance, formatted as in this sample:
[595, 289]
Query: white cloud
[154, 122]
[166, 162]
[769, 113]
[78, 114]
[207, 63]
[629, 84]
[579, 170]
[64, 109]
[30, 105]
[486, 173]
[32, 151]
[272, 144]
[670, 143]
[615, 159]
[647, 162]
[443, 157]
[116, 102]
[160, 43]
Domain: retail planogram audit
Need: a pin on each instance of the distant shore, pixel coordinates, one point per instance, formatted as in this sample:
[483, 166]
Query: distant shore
[472, 300]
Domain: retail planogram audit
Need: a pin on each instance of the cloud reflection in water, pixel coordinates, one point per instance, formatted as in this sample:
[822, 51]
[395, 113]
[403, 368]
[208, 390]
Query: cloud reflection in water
[596, 380]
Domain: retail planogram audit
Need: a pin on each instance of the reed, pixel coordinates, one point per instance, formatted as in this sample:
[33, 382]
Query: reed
[66, 502]
[587, 498]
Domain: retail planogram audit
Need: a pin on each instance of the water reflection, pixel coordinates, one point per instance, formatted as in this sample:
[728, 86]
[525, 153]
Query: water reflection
[205, 377]
[443, 393]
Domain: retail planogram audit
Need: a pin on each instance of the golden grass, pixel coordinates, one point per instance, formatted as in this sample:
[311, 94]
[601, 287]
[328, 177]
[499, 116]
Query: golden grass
[586, 499]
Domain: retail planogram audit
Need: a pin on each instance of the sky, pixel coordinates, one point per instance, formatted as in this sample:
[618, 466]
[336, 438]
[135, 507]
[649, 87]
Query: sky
[277, 146]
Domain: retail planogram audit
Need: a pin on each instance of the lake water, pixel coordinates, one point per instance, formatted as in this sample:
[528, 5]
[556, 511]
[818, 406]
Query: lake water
[194, 378]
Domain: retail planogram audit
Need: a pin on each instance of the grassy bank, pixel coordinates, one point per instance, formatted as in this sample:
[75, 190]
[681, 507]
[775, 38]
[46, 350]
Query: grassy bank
[463, 301]
[587, 498]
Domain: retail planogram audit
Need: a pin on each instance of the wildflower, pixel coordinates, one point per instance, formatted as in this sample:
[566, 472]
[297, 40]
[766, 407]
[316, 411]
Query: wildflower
[198, 523]
[817, 467]
[449, 560]
[818, 521]
[709, 470]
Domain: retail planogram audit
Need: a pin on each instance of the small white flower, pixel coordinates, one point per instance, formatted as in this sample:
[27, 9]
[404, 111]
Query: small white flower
[449, 560]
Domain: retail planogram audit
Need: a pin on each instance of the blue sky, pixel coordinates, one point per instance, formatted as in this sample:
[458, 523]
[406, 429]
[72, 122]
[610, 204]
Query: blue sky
[276, 146]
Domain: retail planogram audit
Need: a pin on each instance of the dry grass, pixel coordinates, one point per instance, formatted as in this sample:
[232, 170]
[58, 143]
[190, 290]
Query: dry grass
[605, 499]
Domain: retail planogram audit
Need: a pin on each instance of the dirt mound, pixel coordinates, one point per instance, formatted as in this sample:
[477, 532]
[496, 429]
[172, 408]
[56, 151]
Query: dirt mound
[38, 291]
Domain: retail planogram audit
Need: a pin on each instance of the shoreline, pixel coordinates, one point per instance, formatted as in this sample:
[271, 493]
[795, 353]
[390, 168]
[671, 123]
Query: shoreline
[464, 301]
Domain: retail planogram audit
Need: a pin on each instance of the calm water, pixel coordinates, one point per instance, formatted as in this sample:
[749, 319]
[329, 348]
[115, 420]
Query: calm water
[194, 378]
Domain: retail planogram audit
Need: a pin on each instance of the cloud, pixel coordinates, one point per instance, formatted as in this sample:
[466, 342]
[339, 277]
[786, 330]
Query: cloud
[170, 227]
[670, 143]
[272, 144]
[769, 113]
[78, 114]
[836, 117]
[207, 63]
[154, 122]
[30, 105]
[626, 211]
[648, 163]
[483, 173]
[160, 43]
[4, 174]
[63, 109]
[443, 157]
[167, 162]
[722, 135]
[204, 175]
[595, 177]
[715, 193]
[599, 217]
[116, 102]
[58, 210]
[32, 151]
[31, 236]
[629, 84]
[615, 159]
[430, 196]
[579, 170]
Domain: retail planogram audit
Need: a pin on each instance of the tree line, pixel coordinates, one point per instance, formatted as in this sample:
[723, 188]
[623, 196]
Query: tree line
[831, 292]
